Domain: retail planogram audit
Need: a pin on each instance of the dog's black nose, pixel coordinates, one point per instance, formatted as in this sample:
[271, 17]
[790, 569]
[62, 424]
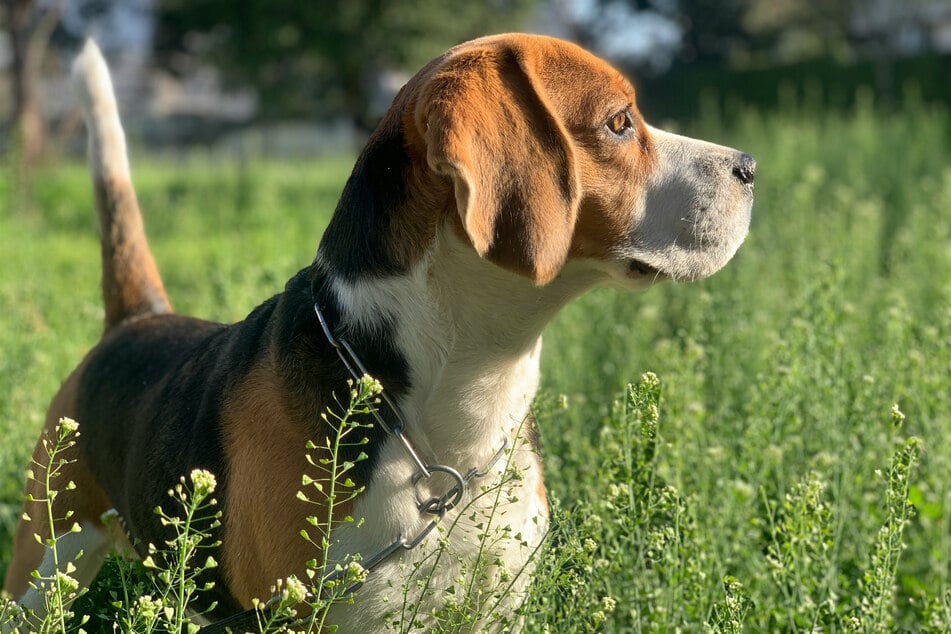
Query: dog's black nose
[745, 169]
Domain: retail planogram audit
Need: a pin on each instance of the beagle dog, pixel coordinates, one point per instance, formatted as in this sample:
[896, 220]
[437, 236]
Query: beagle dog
[510, 175]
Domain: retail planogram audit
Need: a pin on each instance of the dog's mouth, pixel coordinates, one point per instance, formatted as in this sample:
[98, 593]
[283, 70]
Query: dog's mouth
[639, 268]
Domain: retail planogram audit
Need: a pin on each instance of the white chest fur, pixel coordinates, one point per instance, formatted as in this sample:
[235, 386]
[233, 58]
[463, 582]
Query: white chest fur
[476, 561]
[470, 333]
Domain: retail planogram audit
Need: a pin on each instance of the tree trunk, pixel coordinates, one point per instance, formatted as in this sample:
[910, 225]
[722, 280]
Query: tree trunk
[29, 39]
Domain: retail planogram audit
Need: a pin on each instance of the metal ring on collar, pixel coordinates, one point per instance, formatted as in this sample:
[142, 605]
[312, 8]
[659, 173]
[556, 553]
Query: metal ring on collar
[452, 497]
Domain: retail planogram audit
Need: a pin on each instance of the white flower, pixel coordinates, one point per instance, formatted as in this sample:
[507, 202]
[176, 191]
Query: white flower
[295, 590]
[69, 426]
[649, 379]
[148, 608]
[898, 417]
[356, 573]
[203, 482]
[371, 385]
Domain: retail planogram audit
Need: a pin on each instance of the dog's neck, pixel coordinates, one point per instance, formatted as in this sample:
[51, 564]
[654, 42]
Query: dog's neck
[469, 332]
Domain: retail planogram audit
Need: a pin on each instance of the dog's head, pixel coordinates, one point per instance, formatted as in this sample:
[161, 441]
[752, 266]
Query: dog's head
[534, 151]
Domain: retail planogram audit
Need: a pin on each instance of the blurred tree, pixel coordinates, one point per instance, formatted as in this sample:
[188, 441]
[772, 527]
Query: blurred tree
[642, 35]
[741, 32]
[29, 28]
[713, 29]
[320, 58]
[792, 30]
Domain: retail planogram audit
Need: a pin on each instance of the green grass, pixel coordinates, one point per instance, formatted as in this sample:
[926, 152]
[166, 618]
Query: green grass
[761, 485]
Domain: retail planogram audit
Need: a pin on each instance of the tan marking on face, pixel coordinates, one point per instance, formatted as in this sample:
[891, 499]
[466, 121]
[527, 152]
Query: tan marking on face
[615, 174]
[515, 115]
[584, 94]
[265, 456]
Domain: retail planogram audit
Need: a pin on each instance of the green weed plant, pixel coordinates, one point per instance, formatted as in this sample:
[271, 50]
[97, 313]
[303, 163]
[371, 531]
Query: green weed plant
[783, 463]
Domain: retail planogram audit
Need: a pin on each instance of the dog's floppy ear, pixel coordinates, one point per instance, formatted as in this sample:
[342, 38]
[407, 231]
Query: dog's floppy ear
[488, 125]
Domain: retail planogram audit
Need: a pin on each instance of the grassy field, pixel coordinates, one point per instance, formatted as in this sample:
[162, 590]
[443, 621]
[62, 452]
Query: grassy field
[789, 469]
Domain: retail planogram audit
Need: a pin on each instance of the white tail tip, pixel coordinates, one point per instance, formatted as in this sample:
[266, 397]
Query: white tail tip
[107, 148]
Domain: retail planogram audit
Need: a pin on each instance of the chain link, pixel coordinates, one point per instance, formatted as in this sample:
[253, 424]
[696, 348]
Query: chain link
[434, 505]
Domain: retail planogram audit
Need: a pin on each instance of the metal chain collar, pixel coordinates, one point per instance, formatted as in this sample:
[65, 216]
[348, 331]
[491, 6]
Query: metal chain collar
[436, 506]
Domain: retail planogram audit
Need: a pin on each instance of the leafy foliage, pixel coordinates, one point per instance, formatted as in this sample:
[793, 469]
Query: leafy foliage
[304, 57]
[789, 469]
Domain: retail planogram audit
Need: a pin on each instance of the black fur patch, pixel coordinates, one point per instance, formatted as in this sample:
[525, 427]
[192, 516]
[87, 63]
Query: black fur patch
[151, 397]
[356, 241]
[150, 401]
[326, 373]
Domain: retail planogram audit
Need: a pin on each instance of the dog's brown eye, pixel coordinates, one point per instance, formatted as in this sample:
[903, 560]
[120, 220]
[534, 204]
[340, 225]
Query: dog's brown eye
[620, 123]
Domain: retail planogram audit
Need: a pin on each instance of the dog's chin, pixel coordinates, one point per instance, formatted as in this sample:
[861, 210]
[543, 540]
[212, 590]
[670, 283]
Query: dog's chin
[677, 263]
[689, 256]
[687, 265]
[639, 270]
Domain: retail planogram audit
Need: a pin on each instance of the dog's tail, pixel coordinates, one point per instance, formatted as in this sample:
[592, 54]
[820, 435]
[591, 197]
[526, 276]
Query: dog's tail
[131, 284]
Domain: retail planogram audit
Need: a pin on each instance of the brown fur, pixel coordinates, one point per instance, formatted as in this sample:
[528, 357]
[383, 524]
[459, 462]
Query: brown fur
[484, 103]
[503, 141]
[131, 283]
[265, 466]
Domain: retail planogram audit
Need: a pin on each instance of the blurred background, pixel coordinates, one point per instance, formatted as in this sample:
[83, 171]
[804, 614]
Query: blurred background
[290, 77]
[786, 376]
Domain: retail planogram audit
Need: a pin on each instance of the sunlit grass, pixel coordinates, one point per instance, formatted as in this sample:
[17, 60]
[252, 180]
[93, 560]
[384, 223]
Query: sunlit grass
[769, 492]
